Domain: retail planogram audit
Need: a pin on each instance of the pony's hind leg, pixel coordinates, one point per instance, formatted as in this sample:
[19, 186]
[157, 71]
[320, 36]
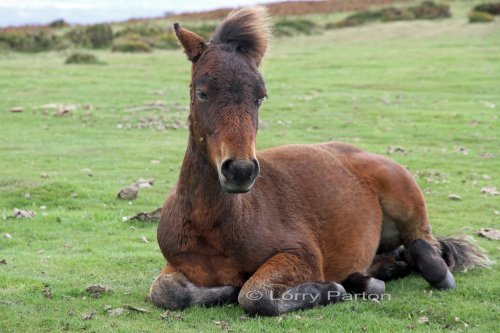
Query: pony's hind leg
[405, 214]
[430, 264]
[422, 250]
[403, 204]
[173, 291]
[388, 267]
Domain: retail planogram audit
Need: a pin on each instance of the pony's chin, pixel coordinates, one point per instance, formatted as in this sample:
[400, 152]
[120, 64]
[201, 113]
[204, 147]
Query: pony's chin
[236, 188]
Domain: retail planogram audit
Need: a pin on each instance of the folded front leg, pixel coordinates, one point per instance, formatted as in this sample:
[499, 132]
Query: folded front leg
[171, 290]
[287, 282]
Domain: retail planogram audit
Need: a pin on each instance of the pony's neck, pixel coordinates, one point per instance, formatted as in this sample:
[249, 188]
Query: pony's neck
[200, 189]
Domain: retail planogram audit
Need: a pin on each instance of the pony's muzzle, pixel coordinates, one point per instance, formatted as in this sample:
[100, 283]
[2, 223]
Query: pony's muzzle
[238, 175]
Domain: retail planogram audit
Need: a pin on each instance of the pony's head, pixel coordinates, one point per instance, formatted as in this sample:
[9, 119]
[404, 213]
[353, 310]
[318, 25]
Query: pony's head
[226, 92]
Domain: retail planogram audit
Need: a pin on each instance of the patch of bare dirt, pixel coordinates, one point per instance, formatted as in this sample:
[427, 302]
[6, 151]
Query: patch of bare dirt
[97, 290]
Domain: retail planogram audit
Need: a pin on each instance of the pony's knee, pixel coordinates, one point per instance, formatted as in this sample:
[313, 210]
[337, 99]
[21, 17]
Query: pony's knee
[169, 291]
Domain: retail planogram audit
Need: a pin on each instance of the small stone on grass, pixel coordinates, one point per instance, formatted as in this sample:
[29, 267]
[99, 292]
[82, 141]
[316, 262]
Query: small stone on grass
[492, 234]
[135, 308]
[89, 316]
[20, 213]
[491, 190]
[116, 312]
[17, 109]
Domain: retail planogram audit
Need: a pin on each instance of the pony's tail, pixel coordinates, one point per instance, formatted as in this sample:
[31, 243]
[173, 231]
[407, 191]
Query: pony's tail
[461, 254]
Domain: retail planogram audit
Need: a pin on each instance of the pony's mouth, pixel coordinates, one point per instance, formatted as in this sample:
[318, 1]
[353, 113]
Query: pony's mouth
[230, 187]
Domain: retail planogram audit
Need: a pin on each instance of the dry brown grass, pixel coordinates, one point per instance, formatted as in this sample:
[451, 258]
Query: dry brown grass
[294, 8]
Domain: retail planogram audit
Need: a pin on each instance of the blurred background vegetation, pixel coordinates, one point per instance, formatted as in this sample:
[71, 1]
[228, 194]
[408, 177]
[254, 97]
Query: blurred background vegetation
[145, 35]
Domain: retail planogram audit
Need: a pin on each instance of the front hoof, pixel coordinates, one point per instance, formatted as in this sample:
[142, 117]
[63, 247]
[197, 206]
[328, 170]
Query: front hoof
[258, 302]
[331, 292]
[168, 293]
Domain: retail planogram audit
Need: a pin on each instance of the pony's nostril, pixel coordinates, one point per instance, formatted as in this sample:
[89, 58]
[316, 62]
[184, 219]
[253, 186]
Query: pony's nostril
[256, 166]
[226, 167]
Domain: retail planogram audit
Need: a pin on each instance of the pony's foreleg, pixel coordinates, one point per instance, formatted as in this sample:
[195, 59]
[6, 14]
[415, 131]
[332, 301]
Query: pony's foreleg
[171, 290]
[285, 283]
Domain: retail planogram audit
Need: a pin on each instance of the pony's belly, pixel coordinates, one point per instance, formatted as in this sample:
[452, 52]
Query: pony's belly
[390, 238]
[350, 239]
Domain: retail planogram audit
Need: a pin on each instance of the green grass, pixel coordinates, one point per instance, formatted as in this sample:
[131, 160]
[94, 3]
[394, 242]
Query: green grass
[428, 87]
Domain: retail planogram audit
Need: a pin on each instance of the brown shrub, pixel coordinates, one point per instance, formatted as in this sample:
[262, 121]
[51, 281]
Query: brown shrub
[490, 8]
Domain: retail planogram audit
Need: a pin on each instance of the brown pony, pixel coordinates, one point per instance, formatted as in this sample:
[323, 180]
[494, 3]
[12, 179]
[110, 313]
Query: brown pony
[279, 230]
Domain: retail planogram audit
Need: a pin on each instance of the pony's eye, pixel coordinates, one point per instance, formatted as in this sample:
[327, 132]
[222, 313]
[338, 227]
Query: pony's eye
[201, 95]
[259, 101]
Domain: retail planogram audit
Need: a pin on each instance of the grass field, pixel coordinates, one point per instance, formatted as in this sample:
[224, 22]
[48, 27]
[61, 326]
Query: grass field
[430, 88]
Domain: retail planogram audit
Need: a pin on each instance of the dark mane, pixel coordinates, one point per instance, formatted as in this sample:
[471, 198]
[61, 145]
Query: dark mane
[247, 30]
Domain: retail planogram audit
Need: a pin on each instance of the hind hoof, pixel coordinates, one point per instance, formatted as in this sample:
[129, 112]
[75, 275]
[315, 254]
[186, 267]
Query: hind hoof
[375, 288]
[447, 283]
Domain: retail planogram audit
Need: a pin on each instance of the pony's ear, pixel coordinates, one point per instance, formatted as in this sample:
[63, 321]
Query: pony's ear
[247, 30]
[193, 44]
